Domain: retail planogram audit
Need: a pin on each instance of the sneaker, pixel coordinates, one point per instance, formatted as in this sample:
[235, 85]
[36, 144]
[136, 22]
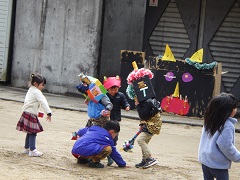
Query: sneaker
[95, 164]
[110, 161]
[150, 162]
[35, 153]
[82, 160]
[26, 151]
[141, 164]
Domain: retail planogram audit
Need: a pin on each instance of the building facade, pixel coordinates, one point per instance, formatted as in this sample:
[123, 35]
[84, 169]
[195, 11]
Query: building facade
[61, 38]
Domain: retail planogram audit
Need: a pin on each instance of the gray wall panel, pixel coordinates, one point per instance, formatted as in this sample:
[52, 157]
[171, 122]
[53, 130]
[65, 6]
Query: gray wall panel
[225, 44]
[57, 38]
[123, 30]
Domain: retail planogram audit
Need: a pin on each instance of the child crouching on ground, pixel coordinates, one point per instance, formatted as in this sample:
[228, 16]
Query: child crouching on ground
[96, 143]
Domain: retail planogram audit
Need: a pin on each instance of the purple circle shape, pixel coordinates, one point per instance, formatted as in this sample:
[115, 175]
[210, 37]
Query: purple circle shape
[169, 76]
[187, 77]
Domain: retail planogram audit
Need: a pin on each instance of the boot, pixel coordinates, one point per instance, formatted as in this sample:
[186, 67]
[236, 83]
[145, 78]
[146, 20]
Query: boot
[110, 161]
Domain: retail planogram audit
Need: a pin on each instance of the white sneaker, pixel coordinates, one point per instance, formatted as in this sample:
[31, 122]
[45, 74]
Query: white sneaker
[35, 153]
[26, 151]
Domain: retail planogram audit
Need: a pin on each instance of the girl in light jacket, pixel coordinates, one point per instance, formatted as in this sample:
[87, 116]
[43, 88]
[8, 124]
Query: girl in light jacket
[216, 148]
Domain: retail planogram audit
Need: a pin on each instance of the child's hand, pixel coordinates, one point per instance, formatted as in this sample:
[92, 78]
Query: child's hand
[136, 102]
[105, 112]
[126, 167]
[86, 101]
[127, 108]
[48, 118]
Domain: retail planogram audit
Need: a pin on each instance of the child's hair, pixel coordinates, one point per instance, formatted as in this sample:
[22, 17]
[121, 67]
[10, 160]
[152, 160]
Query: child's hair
[218, 110]
[38, 79]
[112, 125]
[113, 87]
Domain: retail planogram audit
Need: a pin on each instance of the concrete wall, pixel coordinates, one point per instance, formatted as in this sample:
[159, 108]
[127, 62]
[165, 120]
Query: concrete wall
[58, 39]
[61, 38]
[123, 30]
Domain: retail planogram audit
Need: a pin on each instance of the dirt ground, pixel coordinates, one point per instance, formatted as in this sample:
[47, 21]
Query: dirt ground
[175, 149]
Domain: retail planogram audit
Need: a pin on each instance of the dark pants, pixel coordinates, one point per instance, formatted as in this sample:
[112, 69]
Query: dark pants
[115, 140]
[30, 141]
[210, 173]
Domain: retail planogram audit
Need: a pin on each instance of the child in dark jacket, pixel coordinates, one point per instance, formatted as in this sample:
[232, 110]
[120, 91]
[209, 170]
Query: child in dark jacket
[140, 89]
[151, 124]
[96, 143]
[119, 101]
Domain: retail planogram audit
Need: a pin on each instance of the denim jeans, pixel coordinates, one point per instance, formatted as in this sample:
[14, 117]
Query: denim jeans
[30, 141]
[210, 173]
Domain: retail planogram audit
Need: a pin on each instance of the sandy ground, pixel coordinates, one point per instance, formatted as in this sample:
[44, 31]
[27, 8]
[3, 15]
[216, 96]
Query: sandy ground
[175, 149]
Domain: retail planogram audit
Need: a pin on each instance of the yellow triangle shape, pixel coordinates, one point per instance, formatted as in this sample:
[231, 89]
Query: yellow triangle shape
[197, 56]
[176, 92]
[168, 55]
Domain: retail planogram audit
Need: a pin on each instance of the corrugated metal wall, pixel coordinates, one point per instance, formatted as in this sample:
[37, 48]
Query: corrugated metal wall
[170, 30]
[225, 47]
[5, 22]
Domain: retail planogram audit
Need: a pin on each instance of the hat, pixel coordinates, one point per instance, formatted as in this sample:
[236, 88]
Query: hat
[85, 79]
[137, 74]
[111, 81]
[92, 86]
[140, 79]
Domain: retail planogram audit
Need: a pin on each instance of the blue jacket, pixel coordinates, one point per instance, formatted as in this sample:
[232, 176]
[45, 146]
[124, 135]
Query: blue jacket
[219, 151]
[92, 141]
[94, 109]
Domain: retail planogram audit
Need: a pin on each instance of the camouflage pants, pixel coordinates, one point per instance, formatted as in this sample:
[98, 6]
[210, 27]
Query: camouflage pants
[153, 124]
[101, 121]
[102, 155]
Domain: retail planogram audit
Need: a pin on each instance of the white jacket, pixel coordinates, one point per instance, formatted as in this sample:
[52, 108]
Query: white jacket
[33, 100]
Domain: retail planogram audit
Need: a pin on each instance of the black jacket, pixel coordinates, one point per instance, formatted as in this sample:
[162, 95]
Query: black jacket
[119, 102]
[148, 108]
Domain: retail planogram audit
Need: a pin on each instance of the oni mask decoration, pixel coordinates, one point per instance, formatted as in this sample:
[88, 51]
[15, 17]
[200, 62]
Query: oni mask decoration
[91, 87]
[139, 81]
[109, 82]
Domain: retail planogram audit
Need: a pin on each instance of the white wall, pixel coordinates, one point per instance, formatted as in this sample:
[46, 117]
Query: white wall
[5, 28]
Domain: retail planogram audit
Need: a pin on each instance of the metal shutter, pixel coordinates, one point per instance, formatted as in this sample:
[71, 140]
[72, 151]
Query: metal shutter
[170, 30]
[225, 47]
[5, 18]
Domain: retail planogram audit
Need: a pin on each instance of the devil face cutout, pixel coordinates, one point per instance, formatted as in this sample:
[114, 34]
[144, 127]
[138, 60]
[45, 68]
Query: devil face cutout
[91, 87]
[197, 85]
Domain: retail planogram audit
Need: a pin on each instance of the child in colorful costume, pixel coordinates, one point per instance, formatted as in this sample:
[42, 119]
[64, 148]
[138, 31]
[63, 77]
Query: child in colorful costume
[140, 89]
[98, 104]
